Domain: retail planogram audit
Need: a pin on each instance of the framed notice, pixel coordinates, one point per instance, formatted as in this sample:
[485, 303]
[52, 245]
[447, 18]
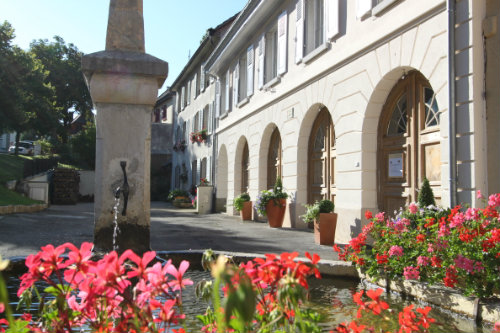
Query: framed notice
[395, 165]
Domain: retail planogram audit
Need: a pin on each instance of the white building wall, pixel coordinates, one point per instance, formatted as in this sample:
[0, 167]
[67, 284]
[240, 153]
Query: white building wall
[352, 79]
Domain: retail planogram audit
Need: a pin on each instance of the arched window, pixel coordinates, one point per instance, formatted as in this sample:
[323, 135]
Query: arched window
[245, 164]
[274, 165]
[322, 155]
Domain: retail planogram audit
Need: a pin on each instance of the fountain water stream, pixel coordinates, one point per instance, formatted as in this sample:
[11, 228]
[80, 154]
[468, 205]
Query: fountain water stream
[116, 228]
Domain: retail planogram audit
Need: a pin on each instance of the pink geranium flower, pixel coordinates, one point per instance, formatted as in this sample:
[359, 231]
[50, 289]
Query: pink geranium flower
[413, 208]
[411, 273]
[396, 250]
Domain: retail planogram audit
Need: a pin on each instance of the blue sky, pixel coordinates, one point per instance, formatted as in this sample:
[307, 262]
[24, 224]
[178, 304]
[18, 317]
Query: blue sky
[173, 28]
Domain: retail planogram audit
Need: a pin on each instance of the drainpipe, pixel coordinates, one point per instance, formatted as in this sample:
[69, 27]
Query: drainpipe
[452, 126]
[214, 150]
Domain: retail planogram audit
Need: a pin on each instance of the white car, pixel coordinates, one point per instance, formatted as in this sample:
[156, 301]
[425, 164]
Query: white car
[25, 148]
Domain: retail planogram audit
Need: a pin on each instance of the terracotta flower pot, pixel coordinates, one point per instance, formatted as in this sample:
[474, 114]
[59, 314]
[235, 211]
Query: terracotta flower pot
[275, 211]
[324, 228]
[246, 212]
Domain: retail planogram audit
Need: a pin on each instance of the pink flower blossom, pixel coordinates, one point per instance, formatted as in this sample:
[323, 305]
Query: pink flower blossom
[396, 250]
[380, 216]
[472, 214]
[2, 307]
[469, 265]
[411, 273]
[443, 231]
[479, 195]
[430, 248]
[494, 200]
[423, 261]
[413, 208]
[457, 220]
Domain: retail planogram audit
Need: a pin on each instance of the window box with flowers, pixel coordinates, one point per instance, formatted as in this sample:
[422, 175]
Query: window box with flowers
[204, 182]
[199, 137]
[272, 203]
[180, 146]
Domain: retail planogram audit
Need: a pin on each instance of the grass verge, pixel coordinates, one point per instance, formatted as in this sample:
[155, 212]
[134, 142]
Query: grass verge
[8, 197]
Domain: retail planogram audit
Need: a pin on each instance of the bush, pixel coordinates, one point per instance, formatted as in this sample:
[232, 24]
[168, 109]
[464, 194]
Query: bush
[267, 195]
[240, 200]
[83, 147]
[426, 196]
[313, 211]
[457, 247]
[326, 206]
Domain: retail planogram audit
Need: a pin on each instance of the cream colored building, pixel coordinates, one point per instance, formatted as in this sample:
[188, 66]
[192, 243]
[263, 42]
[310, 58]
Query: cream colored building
[350, 100]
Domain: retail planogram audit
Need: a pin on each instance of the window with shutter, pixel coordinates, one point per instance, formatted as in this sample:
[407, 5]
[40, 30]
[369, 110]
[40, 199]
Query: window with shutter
[282, 42]
[217, 98]
[202, 78]
[332, 18]
[299, 31]
[227, 105]
[196, 86]
[250, 61]
[183, 98]
[188, 101]
[271, 53]
[242, 78]
[210, 117]
[262, 46]
[236, 81]
[314, 24]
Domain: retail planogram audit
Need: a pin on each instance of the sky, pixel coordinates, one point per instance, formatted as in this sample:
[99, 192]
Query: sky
[173, 28]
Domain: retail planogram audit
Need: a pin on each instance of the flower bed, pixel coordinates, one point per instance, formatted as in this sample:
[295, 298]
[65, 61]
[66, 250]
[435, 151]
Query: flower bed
[458, 248]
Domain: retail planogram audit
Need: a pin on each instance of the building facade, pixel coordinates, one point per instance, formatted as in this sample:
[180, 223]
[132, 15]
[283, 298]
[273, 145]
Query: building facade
[192, 136]
[357, 102]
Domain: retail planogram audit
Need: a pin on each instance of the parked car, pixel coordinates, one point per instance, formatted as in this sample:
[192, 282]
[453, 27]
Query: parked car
[25, 148]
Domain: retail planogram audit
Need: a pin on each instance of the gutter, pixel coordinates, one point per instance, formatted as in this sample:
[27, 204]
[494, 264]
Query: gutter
[452, 125]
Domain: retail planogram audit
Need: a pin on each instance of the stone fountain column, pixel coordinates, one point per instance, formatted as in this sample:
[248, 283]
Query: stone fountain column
[123, 82]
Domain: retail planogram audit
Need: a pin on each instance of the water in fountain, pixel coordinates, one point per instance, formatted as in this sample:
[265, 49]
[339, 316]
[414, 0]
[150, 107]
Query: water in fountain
[116, 228]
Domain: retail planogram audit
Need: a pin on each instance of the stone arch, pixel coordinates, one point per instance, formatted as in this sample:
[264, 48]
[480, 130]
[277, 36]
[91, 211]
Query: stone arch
[302, 151]
[238, 158]
[375, 105]
[222, 179]
[263, 154]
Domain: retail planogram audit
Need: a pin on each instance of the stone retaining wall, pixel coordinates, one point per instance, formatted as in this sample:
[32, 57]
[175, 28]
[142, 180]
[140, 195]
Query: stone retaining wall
[12, 209]
[444, 297]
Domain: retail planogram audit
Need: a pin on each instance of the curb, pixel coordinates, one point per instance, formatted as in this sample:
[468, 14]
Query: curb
[14, 209]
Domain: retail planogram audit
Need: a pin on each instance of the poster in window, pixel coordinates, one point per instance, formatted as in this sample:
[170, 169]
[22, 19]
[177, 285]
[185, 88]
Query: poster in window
[396, 165]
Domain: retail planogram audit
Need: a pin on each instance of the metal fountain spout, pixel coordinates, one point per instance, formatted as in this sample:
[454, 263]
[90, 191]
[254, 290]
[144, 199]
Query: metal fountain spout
[124, 189]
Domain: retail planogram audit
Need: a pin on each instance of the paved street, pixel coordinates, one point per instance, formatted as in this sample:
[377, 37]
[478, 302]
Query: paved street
[171, 230]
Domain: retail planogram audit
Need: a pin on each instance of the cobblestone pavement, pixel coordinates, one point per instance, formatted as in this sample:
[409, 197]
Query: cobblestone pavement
[172, 229]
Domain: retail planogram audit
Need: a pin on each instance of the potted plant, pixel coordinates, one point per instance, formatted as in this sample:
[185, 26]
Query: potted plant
[204, 182]
[325, 221]
[243, 205]
[177, 194]
[272, 203]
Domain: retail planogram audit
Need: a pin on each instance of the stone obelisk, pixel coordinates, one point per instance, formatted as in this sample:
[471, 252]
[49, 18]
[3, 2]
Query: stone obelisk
[123, 82]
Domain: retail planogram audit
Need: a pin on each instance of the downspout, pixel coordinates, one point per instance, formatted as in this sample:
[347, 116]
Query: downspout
[452, 126]
[214, 150]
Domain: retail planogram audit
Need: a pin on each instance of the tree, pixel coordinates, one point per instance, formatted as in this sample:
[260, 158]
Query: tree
[426, 196]
[26, 100]
[63, 62]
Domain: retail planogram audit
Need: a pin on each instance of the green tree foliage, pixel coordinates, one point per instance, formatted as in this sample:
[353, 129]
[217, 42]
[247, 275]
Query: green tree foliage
[426, 196]
[83, 146]
[26, 98]
[63, 62]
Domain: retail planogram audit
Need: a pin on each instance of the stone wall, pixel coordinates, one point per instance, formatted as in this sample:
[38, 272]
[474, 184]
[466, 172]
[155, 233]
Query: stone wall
[65, 186]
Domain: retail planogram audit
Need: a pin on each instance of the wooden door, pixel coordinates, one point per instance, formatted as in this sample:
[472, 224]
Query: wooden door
[409, 143]
[321, 157]
[274, 159]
